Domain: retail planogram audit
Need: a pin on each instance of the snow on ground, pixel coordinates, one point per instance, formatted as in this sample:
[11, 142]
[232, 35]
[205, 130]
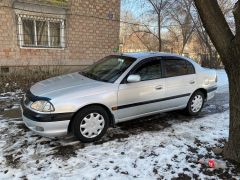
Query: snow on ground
[222, 81]
[164, 146]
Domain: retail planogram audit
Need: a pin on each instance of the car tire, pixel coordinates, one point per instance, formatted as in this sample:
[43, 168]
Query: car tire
[195, 103]
[90, 124]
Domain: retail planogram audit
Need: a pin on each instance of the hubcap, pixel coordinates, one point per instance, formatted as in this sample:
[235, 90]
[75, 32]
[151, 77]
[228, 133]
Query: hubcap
[197, 103]
[92, 125]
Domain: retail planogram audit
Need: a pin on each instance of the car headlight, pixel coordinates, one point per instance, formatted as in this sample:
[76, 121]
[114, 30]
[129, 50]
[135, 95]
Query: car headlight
[42, 106]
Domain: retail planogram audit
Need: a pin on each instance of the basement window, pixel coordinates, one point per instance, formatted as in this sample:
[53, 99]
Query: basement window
[40, 32]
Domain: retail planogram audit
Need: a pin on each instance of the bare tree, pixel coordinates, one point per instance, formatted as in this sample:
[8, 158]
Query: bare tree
[133, 34]
[152, 19]
[173, 37]
[160, 8]
[227, 44]
[125, 28]
[209, 57]
[208, 53]
[181, 16]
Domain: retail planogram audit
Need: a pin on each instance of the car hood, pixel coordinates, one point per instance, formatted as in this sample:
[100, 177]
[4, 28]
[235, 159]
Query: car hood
[64, 83]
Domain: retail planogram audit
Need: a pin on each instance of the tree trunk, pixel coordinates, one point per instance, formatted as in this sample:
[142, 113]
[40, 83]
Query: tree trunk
[210, 55]
[228, 47]
[232, 147]
[182, 49]
[159, 34]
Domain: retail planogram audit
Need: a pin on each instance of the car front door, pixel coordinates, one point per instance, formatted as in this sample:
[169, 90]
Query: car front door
[136, 99]
[180, 81]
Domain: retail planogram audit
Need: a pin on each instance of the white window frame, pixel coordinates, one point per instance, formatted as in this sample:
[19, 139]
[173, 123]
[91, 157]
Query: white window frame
[48, 20]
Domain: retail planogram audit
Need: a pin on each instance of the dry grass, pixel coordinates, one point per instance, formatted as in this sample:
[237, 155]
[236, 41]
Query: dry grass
[24, 77]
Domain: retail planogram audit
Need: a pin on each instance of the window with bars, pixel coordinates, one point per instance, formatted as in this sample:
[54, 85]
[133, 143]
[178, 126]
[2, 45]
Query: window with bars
[41, 32]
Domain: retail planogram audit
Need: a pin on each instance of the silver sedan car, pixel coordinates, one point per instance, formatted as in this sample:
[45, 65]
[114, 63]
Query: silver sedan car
[115, 89]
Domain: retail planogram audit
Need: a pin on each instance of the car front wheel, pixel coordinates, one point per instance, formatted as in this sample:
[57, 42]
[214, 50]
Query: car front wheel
[90, 124]
[195, 103]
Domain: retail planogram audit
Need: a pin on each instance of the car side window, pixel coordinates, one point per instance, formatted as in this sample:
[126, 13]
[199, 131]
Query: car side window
[177, 67]
[190, 68]
[149, 70]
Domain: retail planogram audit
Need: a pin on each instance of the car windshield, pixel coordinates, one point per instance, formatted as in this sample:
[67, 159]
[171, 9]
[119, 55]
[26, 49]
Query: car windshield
[109, 69]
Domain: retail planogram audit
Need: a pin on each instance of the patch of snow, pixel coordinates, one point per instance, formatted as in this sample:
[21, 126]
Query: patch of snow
[166, 153]
[222, 81]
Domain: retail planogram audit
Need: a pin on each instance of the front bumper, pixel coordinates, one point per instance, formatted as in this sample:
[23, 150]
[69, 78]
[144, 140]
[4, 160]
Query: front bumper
[48, 129]
[49, 125]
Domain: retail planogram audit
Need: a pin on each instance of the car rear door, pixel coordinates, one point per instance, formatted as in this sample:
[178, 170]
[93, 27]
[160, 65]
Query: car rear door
[180, 81]
[142, 97]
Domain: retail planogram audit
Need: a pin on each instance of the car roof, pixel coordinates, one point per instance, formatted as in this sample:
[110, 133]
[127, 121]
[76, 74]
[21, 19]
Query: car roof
[149, 54]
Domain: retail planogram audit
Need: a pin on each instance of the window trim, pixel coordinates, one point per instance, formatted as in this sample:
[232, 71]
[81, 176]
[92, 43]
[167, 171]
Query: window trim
[45, 19]
[175, 58]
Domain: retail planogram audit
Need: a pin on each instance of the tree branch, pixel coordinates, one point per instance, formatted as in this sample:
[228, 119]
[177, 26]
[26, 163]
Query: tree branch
[154, 6]
[215, 24]
[139, 38]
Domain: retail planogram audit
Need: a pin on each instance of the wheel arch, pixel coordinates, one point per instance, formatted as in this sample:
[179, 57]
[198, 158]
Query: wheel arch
[204, 91]
[186, 110]
[111, 116]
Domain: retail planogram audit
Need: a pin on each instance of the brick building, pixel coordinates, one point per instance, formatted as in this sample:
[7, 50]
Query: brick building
[57, 32]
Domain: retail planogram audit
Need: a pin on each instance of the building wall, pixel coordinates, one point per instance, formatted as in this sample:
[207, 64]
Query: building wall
[8, 48]
[97, 37]
[87, 38]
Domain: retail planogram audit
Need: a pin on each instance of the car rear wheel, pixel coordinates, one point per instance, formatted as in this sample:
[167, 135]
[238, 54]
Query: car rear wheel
[195, 103]
[90, 124]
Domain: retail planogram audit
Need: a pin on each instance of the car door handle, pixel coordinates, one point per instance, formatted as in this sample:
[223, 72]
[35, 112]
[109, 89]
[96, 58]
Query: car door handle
[192, 82]
[159, 87]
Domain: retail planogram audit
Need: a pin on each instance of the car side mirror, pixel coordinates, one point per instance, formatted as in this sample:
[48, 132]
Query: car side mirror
[133, 78]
